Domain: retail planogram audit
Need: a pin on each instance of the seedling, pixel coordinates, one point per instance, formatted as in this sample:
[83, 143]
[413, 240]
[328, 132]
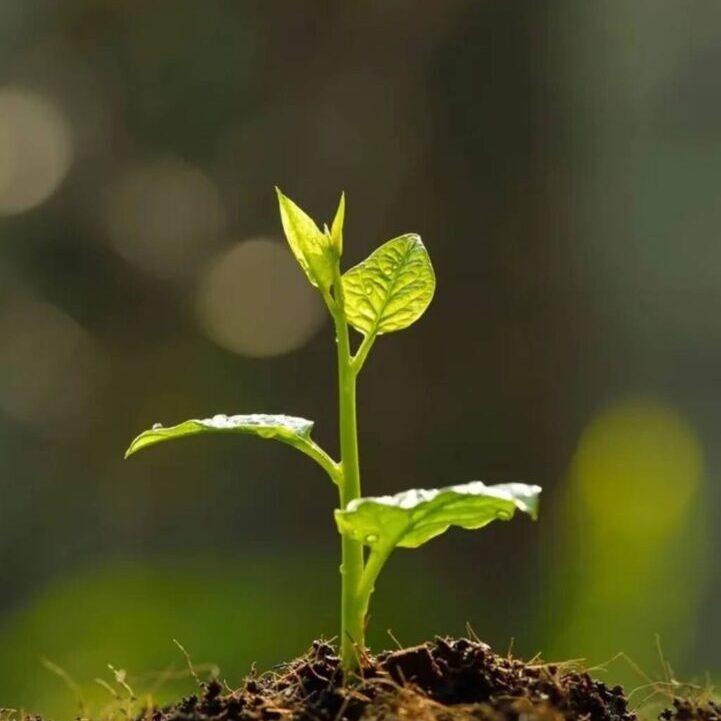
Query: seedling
[385, 293]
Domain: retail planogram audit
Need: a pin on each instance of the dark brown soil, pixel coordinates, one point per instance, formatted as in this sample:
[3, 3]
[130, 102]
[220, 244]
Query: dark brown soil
[691, 710]
[446, 680]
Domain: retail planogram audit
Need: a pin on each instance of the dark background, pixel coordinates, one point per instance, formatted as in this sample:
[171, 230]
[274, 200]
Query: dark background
[561, 161]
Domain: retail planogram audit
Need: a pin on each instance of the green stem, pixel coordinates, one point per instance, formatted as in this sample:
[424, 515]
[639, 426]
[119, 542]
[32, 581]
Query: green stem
[373, 567]
[352, 615]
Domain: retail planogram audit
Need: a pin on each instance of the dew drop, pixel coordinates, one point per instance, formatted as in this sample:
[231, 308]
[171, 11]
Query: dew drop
[503, 515]
[341, 568]
[157, 426]
[371, 538]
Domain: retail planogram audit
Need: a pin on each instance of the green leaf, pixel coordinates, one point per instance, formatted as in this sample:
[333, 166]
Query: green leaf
[287, 429]
[391, 288]
[313, 249]
[411, 518]
[336, 230]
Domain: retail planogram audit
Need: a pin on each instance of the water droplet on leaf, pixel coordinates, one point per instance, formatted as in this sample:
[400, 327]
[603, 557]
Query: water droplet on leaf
[371, 538]
[157, 426]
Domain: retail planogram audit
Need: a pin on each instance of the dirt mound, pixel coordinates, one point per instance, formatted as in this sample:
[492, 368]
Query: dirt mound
[692, 710]
[446, 680]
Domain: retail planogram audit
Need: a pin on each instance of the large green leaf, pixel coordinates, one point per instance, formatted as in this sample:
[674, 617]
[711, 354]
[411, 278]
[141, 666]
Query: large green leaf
[287, 429]
[411, 518]
[391, 288]
[316, 251]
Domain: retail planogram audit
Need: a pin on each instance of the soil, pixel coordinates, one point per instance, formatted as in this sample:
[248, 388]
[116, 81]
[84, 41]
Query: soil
[690, 710]
[443, 680]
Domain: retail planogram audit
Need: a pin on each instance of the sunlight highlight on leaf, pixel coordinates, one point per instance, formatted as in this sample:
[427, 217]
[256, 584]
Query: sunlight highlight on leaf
[336, 230]
[312, 248]
[411, 518]
[291, 430]
[391, 288]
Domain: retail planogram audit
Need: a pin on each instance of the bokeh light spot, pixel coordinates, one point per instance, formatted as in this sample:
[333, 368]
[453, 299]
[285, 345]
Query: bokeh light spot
[255, 301]
[638, 465]
[634, 554]
[48, 364]
[36, 149]
[164, 216]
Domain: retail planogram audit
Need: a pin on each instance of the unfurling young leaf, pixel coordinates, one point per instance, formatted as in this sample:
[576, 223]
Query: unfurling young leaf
[287, 429]
[391, 288]
[336, 230]
[316, 252]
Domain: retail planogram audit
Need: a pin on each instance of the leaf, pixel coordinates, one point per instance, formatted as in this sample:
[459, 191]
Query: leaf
[391, 288]
[336, 229]
[411, 518]
[312, 248]
[287, 429]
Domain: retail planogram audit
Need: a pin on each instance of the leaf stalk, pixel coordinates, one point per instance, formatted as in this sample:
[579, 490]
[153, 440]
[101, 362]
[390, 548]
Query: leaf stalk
[333, 469]
[360, 357]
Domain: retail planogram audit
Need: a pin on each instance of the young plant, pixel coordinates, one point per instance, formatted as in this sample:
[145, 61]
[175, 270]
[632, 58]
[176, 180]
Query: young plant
[385, 293]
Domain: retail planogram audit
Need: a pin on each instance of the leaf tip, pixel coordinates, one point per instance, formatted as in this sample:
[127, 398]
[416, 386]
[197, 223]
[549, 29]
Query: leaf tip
[137, 444]
[134, 446]
[536, 502]
[285, 203]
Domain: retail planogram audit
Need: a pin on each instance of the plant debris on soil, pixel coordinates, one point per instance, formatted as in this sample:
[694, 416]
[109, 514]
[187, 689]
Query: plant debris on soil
[443, 680]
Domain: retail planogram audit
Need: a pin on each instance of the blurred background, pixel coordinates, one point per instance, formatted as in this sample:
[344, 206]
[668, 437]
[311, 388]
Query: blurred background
[562, 162]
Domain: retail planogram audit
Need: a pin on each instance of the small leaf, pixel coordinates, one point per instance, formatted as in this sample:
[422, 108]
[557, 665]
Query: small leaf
[411, 518]
[336, 229]
[312, 248]
[287, 429]
[391, 288]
